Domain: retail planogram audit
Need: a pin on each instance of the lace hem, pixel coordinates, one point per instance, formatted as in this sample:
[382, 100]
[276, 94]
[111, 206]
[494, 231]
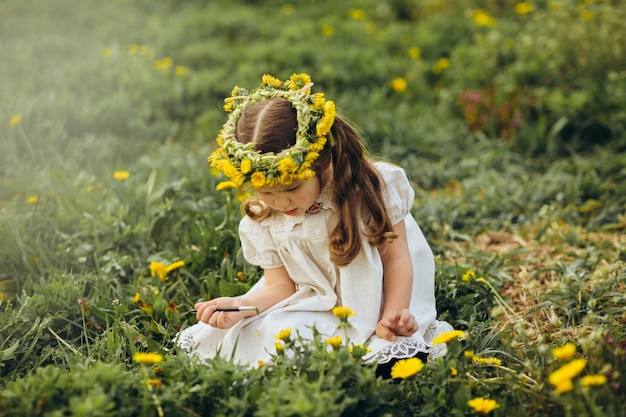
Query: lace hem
[402, 349]
[187, 343]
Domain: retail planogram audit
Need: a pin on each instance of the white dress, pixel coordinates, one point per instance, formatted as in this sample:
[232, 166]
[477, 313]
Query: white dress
[300, 244]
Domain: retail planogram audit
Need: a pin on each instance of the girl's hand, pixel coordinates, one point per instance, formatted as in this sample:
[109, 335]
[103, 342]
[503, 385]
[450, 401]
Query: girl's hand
[396, 323]
[221, 319]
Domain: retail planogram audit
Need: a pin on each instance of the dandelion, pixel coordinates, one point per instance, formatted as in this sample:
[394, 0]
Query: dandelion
[564, 386]
[359, 350]
[398, 84]
[483, 405]
[414, 52]
[592, 380]
[162, 64]
[225, 185]
[586, 14]
[136, 298]
[357, 14]
[486, 361]
[469, 354]
[482, 18]
[33, 199]
[523, 7]
[133, 49]
[15, 120]
[147, 358]
[157, 268]
[280, 349]
[106, 52]
[565, 352]
[447, 337]
[334, 341]
[343, 313]
[173, 266]
[144, 307]
[180, 70]
[257, 180]
[468, 275]
[328, 30]
[567, 372]
[406, 368]
[261, 364]
[454, 371]
[440, 65]
[155, 382]
[284, 335]
[121, 175]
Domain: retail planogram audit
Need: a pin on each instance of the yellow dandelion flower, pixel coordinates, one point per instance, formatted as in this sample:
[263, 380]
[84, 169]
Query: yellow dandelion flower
[158, 268]
[343, 313]
[328, 30]
[121, 175]
[261, 364]
[257, 180]
[133, 49]
[483, 405]
[284, 335]
[175, 265]
[357, 14]
[297, 81]
[225, 185]
[180, 70]
[136, 298]
[447, 337]
[523, 7]
[593, 380]
[586, 14]
[406, 368]
[482, 18]
[454, 371]
[280, 349]
[565, 352]
[15, 120]
[398, 84]
[334, 341]
[568, 371]
[106, 52]
[486, 361]
[246, 166]
[163, 63]
[271, 81]
[155, 382]
[287, 166]
[440, 65]
[147, 358]
[33, 199]
[564, 386]
[469, 354]
[414, 52]
[468, 275]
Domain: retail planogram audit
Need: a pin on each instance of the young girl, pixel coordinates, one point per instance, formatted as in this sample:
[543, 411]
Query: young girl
[329, 227]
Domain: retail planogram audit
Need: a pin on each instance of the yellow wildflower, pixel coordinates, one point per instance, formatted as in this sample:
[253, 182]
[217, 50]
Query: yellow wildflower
[343, 313]
[482, 18]
[447, 337]
[486, 361]
[334, 341]
[568, 371]
[406, 368]
[414, 52]
[468, 275]
[297, 81]
[469, 354]
[564, 386]
[246, 166]
[271, 81]
[280, 349]
[257, 180]
[136, 298]
[106, 52]
[440, 65]
[287, 166]
[155, 382]
[33, 199]
[121, 175]
[175, 265]
[523, 7]
[357, 14]
[147, 358]
[225, 185]
[454, 371]
[158, 268]
[398, 84]
[586, 14]
[133, 49]
[163, 63]
[565, 352]
[284, 335]
[261, 364]
[15, 119]
[328, 30]
[592, 380]
[180, 70]
[483, 405]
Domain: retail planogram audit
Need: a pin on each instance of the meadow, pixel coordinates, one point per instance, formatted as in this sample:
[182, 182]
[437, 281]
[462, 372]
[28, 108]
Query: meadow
[509, 118]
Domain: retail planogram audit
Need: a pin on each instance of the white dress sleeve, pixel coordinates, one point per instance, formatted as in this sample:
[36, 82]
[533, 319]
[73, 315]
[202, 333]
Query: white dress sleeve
[257, 244]
[397, 192]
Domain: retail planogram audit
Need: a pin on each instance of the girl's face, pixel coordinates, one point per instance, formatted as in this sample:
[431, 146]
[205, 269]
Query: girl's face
[293, 199]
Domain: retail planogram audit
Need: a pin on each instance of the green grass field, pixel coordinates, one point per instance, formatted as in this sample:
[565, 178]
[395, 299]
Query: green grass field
[509, 118]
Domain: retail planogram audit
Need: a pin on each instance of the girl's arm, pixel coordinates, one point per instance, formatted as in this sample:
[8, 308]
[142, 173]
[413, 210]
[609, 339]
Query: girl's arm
[278, 286]
[397, 287]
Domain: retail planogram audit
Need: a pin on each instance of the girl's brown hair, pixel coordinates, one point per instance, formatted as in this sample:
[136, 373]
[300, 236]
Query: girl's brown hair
[355, 184]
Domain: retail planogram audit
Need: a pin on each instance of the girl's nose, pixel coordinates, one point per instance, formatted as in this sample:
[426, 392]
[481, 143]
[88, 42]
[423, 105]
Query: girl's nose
[281, 203]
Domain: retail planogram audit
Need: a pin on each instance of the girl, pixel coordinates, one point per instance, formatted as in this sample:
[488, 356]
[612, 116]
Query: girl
[329, 227]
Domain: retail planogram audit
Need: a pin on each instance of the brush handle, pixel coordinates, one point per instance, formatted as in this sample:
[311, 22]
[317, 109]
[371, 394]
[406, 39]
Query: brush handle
[238, 308]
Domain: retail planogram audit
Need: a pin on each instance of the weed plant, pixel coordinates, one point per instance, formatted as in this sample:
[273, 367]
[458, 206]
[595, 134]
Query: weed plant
[507, 116]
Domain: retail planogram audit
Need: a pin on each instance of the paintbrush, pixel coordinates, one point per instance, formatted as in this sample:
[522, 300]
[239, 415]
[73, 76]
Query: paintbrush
[238, 308]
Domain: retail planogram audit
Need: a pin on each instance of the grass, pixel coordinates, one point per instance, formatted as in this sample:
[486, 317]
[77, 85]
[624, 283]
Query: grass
[531, 199]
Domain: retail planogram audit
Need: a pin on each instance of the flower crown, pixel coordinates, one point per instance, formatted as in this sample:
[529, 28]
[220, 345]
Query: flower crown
[246, 166]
